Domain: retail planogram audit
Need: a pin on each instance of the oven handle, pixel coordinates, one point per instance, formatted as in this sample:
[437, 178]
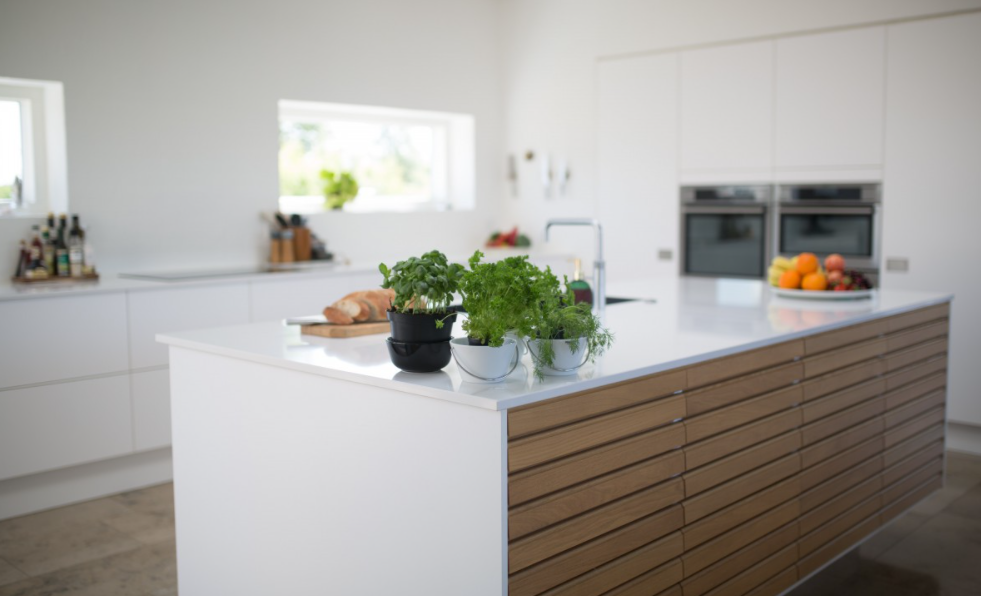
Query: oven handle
[826, 210]
[723, 210]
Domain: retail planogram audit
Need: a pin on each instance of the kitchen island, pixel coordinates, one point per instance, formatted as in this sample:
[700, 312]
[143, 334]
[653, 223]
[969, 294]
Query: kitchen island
[730, 442]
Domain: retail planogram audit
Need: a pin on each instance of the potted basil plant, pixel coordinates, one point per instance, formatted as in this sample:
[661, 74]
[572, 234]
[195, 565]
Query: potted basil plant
[498, 298]
[420, 315]
[566, 335]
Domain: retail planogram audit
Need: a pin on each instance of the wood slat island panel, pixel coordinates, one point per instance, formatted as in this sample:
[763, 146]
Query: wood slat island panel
[740, 475]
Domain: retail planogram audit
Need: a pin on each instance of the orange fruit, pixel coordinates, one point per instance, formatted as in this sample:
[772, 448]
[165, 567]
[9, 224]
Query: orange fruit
[814, 281]
[807, 262]
[790, 280]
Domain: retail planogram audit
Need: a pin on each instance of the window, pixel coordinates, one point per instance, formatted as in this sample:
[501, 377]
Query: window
[33, 172]
[403, 160]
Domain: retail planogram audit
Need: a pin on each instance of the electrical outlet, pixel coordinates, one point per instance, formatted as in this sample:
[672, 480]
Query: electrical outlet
[897, 264]
[665, 254]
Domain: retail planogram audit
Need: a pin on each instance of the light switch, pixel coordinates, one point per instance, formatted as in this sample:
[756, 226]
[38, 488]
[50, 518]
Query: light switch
[665, 254]
[897, 264]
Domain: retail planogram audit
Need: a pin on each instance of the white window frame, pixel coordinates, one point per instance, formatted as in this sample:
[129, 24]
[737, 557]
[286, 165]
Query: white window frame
[454, 164]
[45, 180]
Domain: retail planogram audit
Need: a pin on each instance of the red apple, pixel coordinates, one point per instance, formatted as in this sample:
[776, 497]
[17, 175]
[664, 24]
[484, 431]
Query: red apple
[834, 262]
[835, 276]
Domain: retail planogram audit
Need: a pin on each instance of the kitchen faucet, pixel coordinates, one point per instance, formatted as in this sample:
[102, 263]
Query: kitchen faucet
[599, 265]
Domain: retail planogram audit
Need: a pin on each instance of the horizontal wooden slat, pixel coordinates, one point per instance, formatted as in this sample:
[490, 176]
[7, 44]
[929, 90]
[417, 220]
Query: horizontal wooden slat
[839, 525]
[740, 512]
[913, 445]
[826, 427]
[729, 442]
[914, 408]
[842, 441]
[908, 483]
[907, 466]
[751, 410]
[829, 404]
[822, 364]
[531, 484]
[776, 584]
[571, 502]
[916, 371]
[825, 470]
[918, 317]
[702, 556]
[619, 571]
[551, 413]
[706, 477]
[726, 494]
[907, 393]
[902, 504]
[758, 574]
[841, 378]
[838, 505]
[812, 562]
[746, 557]
[590, 555]
[916, 335]
[709, 398]
[651, 582]
[571, 533]
[903, 358]
[839, 484]
[896, 435]
[831, 340]
[744, 363]
[553, 444]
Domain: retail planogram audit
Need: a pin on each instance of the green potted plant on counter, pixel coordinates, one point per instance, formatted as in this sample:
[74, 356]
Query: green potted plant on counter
[566, 335]
[498, 298]
[420, 316]
[339, 188]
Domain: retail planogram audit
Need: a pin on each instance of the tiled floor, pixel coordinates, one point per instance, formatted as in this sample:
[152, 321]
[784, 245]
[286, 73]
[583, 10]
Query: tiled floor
[125, 545]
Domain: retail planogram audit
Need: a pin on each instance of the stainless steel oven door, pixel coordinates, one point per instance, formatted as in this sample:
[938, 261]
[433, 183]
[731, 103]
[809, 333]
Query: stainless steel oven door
[852, 232]
[725, 241]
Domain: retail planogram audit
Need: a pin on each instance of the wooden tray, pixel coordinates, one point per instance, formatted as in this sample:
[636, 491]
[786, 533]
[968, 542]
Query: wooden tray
[55, 279]
[329, 330]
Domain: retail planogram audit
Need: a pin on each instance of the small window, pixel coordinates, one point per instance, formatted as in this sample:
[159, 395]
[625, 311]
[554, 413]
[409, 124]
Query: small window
[33, 172]
[402, 160]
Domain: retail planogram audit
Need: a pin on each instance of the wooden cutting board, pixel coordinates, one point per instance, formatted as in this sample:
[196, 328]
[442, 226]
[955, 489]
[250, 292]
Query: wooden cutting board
[354, 330]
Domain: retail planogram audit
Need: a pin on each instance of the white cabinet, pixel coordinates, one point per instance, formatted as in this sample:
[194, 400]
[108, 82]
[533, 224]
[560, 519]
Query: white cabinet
[829, 109]
[727, 111]
[638, 140]
[49, 339]
[300, 296]
[931, 197]
[150, 392]
[64, 424]
[180, 309]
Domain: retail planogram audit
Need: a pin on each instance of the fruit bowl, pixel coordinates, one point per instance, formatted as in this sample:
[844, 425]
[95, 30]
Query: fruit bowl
[823, 294]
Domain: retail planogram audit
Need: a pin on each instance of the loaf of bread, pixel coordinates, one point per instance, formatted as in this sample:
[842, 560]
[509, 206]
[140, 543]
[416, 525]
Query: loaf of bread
[362, 306]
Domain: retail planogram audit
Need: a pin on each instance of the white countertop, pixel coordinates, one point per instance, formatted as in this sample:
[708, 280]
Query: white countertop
[692, 320]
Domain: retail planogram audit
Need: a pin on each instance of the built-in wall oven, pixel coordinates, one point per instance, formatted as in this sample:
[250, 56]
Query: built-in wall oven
[726, 231]
[830, 218]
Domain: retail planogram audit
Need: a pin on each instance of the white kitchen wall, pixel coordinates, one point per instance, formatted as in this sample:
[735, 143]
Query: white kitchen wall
[552, 49]
[172, 121]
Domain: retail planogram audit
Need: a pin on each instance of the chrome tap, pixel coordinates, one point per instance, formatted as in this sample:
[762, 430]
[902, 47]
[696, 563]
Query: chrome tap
[599, 265]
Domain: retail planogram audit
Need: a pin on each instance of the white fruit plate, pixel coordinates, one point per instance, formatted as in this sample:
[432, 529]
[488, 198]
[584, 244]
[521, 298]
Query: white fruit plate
[823, 295]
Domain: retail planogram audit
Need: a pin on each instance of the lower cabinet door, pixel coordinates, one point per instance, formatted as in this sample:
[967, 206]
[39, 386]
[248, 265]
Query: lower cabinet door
[64, 424]
[151, 409]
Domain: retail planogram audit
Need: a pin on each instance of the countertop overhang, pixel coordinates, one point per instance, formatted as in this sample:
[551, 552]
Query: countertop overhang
[691, 320]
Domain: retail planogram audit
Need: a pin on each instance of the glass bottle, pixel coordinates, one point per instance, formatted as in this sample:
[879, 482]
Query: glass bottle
[580, 288]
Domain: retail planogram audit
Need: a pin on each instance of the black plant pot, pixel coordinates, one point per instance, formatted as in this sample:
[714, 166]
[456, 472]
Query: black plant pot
[420, 327]
[419, 357]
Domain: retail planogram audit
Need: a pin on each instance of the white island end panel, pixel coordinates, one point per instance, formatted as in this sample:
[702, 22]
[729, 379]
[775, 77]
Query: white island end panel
[337, 487]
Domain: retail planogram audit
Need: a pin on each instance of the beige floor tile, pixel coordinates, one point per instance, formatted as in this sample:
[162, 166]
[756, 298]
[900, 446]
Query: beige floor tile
[144, 571]
[9, 574]
[50, 540]
[150, 514]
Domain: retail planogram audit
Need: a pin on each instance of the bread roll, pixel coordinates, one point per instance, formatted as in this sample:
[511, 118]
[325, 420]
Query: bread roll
[354, 308]
[337, 316]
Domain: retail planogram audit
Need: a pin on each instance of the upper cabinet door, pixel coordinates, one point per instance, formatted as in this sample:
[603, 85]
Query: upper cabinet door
[830, 99]
[727, 111]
